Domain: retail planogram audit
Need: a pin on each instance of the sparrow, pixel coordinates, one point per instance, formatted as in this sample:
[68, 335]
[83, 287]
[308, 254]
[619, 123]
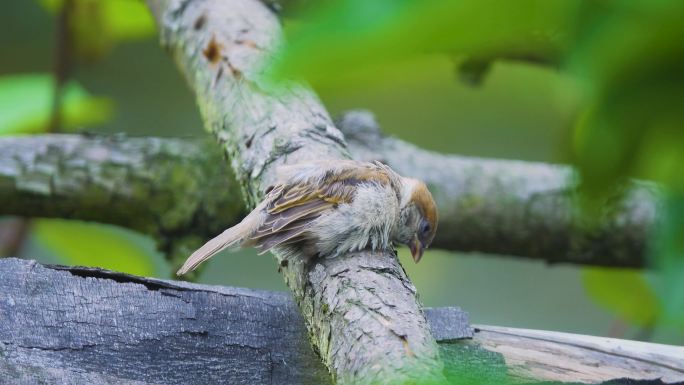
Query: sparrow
[328, 208]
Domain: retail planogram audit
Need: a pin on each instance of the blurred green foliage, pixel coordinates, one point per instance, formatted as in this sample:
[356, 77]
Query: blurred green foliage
[600, 78]
[356, 40]
[668, 253]
[92, 244]
[624, 59]
[26, 103]
[97, 26]
[628, 60]
[626, 292]
[629, 63]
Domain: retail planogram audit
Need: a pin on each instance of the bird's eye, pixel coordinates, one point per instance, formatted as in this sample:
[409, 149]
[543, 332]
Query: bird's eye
[424, 227]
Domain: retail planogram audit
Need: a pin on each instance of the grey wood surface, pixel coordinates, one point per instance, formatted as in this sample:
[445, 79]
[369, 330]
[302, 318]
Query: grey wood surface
[554, 356]
[89, 326]
[76, 325]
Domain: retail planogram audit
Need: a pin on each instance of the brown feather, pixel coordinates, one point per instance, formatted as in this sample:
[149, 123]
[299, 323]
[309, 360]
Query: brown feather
[292, 207]
[228, 238]
[293, 234]
[288, 210]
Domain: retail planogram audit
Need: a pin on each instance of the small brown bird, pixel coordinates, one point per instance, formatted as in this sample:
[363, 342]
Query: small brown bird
[332, 207]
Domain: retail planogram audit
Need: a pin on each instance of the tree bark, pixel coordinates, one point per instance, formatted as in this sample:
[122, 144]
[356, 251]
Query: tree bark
[77, 325]
[361, 310]
[504, 207]
[570, 357]
[517, 208]
[171, 189]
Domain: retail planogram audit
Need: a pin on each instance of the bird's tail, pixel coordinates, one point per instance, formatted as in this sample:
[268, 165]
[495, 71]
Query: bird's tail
[226, 239]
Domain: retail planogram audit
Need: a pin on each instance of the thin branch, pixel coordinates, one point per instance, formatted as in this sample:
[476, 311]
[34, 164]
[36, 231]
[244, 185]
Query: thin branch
[17, 230]
[61, 62]
[13, 233]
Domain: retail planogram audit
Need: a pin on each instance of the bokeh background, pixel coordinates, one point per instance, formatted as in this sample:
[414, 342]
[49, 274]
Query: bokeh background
[458, 94]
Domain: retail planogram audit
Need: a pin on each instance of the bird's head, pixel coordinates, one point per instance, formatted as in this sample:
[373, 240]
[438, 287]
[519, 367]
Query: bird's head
[418, 218]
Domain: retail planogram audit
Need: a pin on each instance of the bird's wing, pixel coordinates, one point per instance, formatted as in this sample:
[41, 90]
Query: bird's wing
[293, 206]
[290, 207]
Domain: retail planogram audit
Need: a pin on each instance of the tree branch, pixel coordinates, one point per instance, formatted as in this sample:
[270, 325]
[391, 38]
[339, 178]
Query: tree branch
[493, 206]
[76, 325]
[518, 208]
[171, 189]
[360, 309]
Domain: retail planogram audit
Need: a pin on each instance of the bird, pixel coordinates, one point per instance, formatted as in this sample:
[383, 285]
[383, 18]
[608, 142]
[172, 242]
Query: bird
[327, 208]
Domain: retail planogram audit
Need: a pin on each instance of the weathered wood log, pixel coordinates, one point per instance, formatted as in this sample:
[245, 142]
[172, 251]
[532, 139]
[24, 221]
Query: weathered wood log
[554, 356]
[75, 325]
[361, 309]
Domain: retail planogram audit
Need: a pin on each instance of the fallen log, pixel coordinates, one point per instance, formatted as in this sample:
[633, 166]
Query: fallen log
[79, 325]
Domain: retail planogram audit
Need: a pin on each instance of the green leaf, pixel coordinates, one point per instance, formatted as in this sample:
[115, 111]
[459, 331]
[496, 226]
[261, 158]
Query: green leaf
[128, 19]
[347, 36]
[668, 258]
[624, 292]
[91, 244]
[629, 63]
[628, 59]
[26, 105]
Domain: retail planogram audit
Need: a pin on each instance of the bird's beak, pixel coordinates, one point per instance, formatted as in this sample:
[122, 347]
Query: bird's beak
[416, 249]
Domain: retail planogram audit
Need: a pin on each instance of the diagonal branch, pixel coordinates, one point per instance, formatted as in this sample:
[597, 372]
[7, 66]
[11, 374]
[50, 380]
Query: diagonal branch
[361, 310]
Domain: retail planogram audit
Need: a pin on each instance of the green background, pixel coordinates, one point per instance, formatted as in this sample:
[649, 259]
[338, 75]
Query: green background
[518, 112]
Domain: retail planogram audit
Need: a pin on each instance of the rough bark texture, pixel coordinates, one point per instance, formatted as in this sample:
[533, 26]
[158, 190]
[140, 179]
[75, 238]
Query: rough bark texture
[90, 323]
[174, 190]
[361, 310]
[75, 325]
[87, 322]
[493, 206]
